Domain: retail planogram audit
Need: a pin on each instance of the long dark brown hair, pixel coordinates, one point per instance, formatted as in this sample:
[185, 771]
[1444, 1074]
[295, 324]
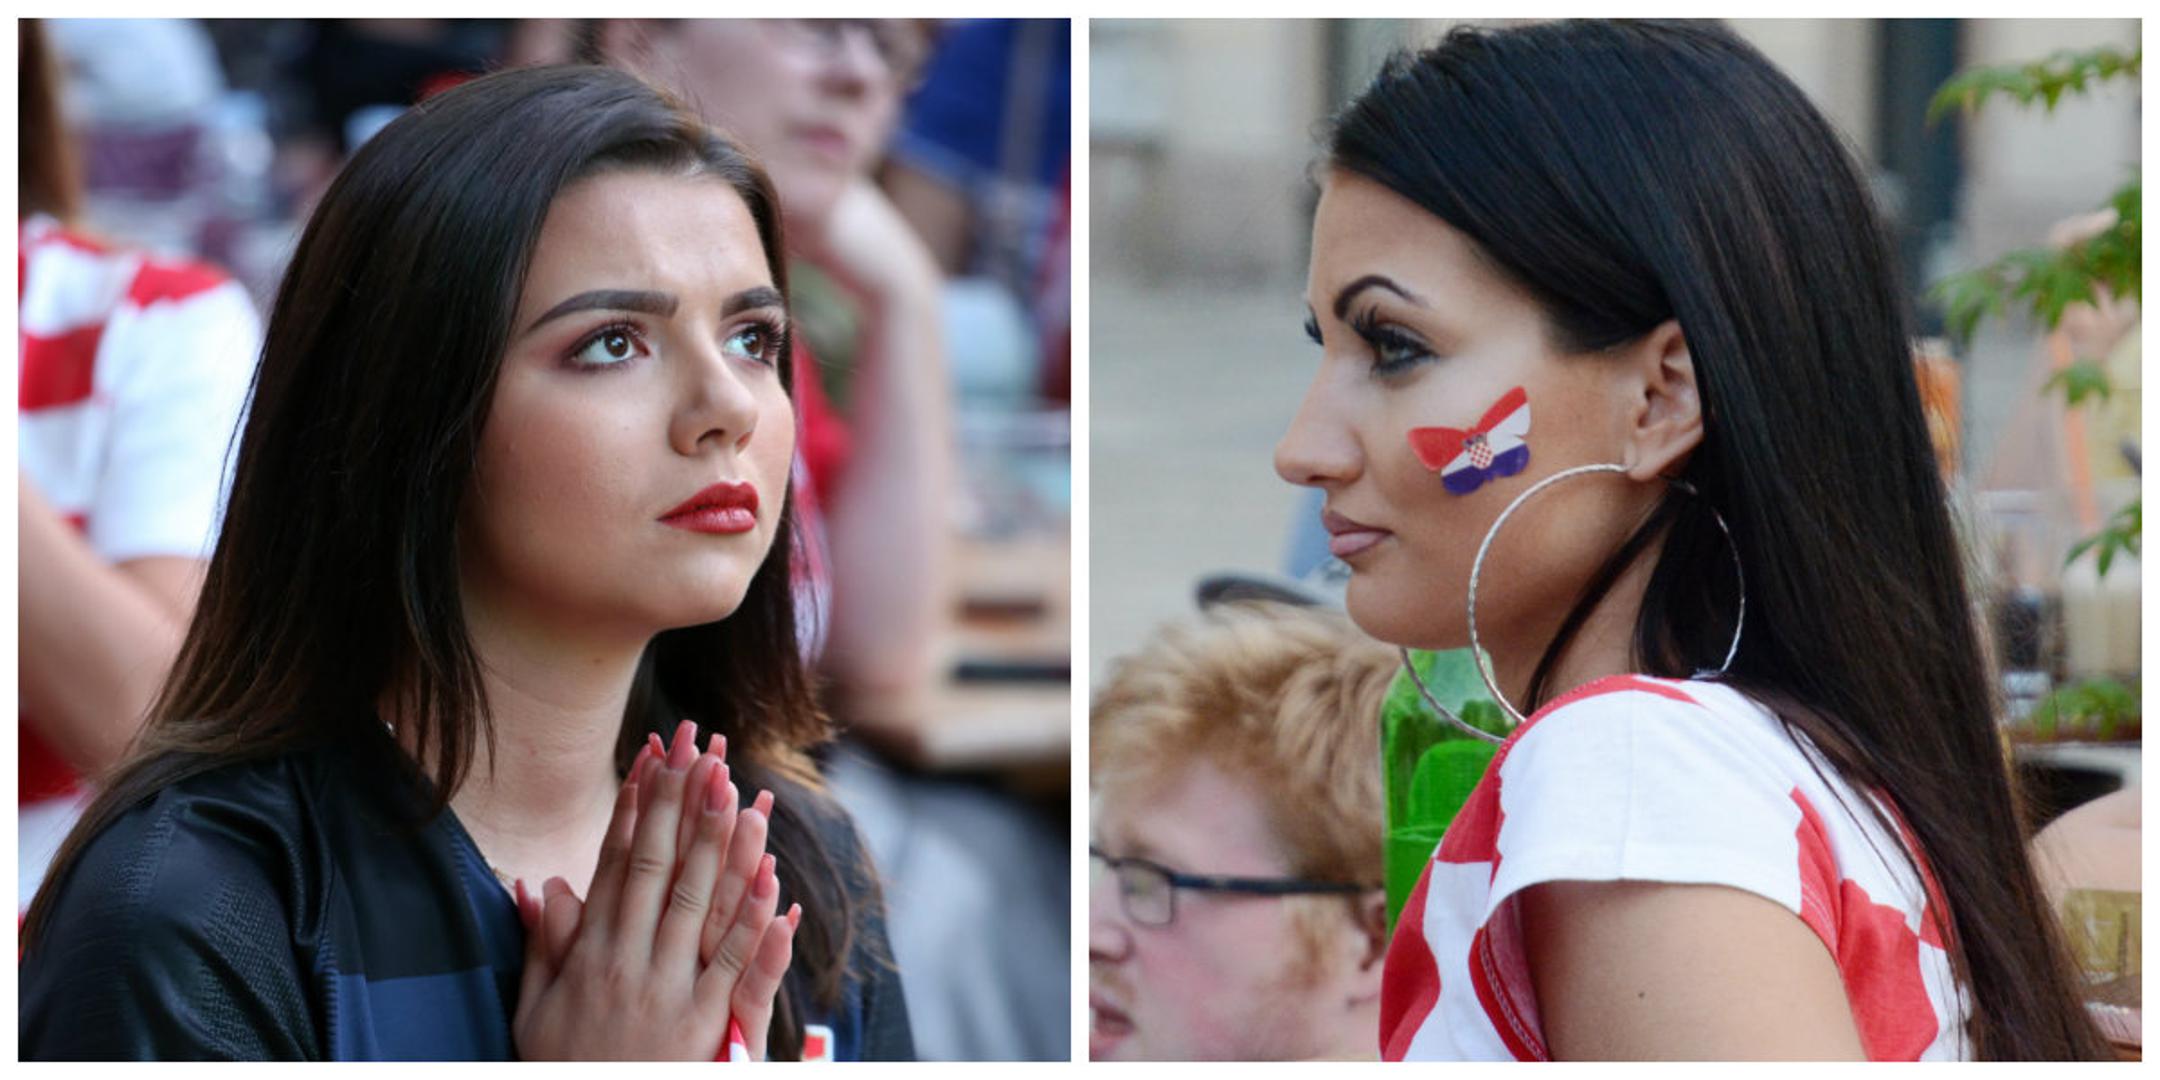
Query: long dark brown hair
[336, 575]
[1630, 173]
[49, 170]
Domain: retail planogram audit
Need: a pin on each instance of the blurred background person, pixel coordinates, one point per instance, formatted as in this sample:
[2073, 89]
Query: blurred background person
[133, 370]
[982, 168]
[1235, 908]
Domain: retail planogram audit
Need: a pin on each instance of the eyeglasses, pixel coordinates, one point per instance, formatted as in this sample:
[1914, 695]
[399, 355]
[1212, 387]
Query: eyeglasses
[1148, 891]
[899, 45]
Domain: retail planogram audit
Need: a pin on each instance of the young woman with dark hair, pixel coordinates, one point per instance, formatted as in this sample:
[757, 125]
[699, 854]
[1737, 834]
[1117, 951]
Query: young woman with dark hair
[510, 505]
[1622, 278]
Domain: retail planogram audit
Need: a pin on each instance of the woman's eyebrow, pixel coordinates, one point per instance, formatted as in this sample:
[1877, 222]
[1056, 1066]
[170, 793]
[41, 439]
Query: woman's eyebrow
[649, 303]
[1370, 281]
[761, 296]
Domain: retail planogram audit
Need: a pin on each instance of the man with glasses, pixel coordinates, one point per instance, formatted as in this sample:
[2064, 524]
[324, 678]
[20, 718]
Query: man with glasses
[1235, 868]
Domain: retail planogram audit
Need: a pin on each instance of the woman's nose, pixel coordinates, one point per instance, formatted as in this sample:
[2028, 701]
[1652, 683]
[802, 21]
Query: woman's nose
[1318, 449]
[717, 404]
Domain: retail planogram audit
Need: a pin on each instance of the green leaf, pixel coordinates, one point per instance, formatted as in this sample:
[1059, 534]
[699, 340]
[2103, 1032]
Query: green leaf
[2123, 531]
[2080, 382]
[2046, 80]
[2100, 706]
[1967, 297]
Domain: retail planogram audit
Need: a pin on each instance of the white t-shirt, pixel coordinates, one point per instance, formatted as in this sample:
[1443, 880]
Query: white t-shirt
[1642, 779]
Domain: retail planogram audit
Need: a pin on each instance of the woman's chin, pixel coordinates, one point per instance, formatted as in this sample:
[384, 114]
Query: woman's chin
[696, 605]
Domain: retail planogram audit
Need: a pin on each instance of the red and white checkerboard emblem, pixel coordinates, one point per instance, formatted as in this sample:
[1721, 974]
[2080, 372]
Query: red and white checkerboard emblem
[1480, 450]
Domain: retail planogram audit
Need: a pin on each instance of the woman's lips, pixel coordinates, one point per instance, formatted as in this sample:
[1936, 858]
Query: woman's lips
[1107, 1027]
[1348, 537]
[828, 144]
[729, 506]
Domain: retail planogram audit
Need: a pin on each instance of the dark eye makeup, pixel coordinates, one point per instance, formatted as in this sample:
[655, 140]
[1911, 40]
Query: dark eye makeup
[1394, 349]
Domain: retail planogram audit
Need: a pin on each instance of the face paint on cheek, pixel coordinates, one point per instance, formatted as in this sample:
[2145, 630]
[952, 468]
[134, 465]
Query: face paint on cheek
[1495, 447]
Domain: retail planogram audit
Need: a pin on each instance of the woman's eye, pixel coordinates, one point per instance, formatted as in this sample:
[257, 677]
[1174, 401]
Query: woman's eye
[1393, 351]
[607, 348]
[754, 341]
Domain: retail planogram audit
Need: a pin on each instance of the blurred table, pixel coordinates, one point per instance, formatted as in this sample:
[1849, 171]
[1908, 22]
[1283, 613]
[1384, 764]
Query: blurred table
[2090, 865]
[2123, 759]
[1004, 706]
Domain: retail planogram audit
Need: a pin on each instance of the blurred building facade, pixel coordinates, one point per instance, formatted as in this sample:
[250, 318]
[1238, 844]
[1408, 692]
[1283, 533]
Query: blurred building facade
[1204, 131]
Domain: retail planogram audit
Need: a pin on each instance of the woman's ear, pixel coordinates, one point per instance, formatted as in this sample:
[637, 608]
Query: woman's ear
[1667, 423]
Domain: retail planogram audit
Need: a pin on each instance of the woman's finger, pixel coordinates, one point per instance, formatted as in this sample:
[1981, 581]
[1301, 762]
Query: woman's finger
[692, 893]
[651, 864]
[739, 944]
[751, 1003]
[713, 757]
[560, 914]
[528, 908]
[539, 965]
[606, 890]
[746, 849]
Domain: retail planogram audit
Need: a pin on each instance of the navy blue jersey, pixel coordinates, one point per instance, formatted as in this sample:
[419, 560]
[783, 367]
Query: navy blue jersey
[286, 909]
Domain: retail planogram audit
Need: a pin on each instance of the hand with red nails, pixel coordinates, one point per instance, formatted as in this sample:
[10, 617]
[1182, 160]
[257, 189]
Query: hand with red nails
[680, 932]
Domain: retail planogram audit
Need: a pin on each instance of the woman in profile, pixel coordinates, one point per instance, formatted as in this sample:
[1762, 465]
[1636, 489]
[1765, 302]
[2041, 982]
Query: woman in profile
[1758, 807]
[508, 531]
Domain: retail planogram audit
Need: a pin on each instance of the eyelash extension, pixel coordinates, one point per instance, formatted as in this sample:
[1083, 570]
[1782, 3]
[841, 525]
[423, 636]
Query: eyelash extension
[1393, 350]
[1312, 329]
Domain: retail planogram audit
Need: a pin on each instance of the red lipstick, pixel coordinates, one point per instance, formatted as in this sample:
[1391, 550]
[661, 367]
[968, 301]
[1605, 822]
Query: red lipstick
[1347, 537]
[729, 506]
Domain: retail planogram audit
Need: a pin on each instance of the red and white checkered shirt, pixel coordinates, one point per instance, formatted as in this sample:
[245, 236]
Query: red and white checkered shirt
[1641, 779]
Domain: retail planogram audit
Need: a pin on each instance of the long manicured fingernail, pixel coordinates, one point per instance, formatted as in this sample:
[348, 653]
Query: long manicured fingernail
[764, 803]
[685, 749]
[767, 879]
[716, 790]
[659, 749]
[794, 916]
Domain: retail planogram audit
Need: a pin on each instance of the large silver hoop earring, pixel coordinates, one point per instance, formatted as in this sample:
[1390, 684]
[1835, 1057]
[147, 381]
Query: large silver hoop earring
[1477, 570]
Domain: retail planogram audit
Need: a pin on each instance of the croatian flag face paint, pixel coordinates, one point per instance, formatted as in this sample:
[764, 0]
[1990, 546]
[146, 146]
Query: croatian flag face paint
[1494, 448]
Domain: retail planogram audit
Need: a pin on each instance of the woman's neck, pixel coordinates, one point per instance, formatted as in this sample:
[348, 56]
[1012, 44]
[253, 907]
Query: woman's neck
[1603, 645]
[538, 805]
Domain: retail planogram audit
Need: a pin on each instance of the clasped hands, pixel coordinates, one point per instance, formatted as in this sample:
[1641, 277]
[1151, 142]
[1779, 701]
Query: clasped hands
[679, 933]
